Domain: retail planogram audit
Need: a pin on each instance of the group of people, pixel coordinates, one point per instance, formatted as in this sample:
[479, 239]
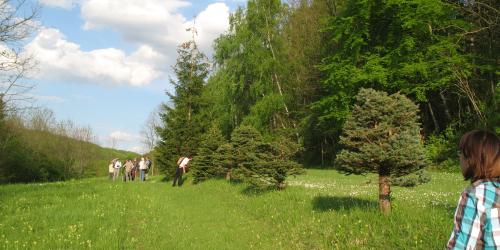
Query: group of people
[131, 168]
[135, 167]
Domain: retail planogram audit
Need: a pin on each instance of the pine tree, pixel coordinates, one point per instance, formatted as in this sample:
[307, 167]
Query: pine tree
[182, 123]
[382, 136]
[260, 163]
[204, 164]
[224, 159]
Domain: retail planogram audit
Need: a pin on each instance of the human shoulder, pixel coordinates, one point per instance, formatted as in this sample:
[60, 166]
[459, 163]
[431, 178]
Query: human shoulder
[485, 192]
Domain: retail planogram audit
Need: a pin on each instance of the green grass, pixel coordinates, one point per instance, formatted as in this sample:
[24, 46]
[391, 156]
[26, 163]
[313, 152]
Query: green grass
[320, 210]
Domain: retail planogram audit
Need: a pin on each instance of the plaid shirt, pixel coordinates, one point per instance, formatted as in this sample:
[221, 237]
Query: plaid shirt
[477, 222]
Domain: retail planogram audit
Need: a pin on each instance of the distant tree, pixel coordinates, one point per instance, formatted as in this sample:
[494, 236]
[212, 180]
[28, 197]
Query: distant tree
[182, 125]
[3, 128]
[17, 23]
[203, 164]
[149, 132]
[382, 135]
[260, 163]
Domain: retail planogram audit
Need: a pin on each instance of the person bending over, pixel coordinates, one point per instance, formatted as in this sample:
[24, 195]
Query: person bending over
[182, 164]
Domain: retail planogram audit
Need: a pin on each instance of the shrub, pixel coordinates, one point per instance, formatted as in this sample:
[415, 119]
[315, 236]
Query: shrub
[260, 163]
[419, 177]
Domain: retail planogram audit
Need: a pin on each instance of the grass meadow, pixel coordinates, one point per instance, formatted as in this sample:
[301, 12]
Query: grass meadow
[319, 210]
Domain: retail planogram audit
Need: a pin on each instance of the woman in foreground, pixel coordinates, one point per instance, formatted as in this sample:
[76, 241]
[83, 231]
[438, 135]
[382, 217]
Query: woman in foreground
[477, 218]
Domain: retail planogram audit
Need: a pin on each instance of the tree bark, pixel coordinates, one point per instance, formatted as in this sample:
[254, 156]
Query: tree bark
[322, 155]
[445, 104]
[384, 187]
[436, 125]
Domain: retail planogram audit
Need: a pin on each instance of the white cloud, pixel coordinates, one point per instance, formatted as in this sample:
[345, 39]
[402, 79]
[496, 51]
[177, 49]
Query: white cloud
[210, 23]
[155, 26]
[156, 23]
[123, 136]
[137, 149]
[60, 59]
[124, 141]
[50, 98]
[65, 4]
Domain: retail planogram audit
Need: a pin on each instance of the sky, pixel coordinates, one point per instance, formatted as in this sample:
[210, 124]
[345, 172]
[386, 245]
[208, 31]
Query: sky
[107, 63]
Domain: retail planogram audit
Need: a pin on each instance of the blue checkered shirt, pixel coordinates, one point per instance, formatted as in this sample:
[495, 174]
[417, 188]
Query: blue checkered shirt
[477, 223]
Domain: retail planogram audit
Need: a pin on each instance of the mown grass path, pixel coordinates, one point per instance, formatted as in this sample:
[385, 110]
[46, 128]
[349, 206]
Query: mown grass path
[320, 210]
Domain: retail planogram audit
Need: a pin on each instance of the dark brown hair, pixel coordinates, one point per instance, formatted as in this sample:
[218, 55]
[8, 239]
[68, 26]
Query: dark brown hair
[481, 155]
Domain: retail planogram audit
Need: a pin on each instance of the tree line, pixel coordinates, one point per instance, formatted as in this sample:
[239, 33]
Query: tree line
[37, 147]
[291, 71]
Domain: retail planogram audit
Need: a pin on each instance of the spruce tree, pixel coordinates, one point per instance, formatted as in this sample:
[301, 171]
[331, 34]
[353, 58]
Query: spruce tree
[182, 124]
[224, 159]
[382, 136]
[203, 164]
[260, 163]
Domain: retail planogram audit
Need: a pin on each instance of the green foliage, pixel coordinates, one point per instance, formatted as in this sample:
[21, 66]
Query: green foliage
[298, 65]
[419, 177]
[203, 164]
[442, 150]
[493, 111]
[382, 136]
[183, 123]
[23, 164]
[413, 47]
[260, 163]
[34, 155]
[224, 159]
[251, 68]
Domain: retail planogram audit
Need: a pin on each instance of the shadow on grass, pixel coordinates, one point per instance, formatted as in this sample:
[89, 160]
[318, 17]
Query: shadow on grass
[328, 203]
[165, 179]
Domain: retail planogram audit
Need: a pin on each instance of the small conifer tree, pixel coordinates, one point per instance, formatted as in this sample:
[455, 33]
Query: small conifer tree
[203, 164]
[382, 136]
[260, 163]
[224, 160]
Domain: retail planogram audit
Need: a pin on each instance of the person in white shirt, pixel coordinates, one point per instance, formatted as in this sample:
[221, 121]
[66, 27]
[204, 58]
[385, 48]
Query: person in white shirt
[182, 164]
[142, 168]
[111, 169]
[116, 169]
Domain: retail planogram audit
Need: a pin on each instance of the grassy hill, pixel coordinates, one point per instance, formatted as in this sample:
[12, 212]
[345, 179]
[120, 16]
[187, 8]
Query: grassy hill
[42, 155]
[320, 210]
[92, 158]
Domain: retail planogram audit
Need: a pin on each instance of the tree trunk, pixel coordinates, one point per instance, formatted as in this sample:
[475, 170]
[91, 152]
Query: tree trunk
[436, 125]
[228, 175]
[445, 104]
[322, 155]
[384, 188]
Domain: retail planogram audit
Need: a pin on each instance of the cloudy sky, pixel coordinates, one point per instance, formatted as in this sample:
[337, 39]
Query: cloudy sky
[106, 63]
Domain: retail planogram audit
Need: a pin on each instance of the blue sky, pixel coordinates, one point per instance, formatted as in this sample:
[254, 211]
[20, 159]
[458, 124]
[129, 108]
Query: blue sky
[106, 63]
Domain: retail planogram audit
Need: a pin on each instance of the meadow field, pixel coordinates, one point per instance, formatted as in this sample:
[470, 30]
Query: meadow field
[319, 210]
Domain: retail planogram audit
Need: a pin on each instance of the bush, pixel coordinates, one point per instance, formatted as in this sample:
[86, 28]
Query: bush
[260, 163]
[203, 164]
[441, 150]
[419, 177]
